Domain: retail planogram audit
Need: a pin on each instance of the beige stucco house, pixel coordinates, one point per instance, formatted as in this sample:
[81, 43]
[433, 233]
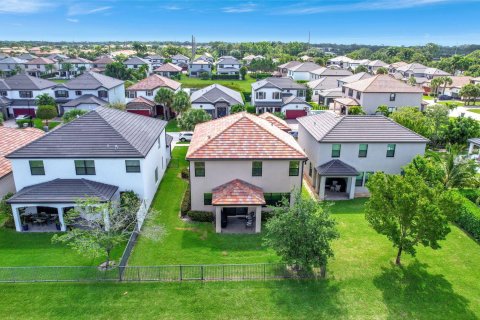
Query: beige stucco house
[239, 164]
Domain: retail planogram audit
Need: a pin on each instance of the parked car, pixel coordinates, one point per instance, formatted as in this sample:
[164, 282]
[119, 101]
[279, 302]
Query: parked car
[294, 134]
[185, 136]
[444, 97]
[23, 117]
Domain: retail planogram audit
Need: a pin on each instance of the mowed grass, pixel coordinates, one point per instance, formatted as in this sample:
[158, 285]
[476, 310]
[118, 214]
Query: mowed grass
[36, 249]
[474, 110]
[362, 283]
[172, 126]
[238, 85]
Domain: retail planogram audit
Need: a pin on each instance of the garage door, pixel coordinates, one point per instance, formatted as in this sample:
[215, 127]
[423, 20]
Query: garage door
[143, 112]
[293, 114]
[23, 111]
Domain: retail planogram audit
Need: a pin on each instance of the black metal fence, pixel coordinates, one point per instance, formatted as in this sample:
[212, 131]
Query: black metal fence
[220, 272]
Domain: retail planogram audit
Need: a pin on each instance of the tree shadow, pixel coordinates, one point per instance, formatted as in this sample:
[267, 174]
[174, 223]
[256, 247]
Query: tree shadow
[410, 292]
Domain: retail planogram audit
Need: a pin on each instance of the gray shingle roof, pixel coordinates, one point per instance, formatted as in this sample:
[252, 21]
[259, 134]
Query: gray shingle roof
[180, 57]
[329, 127]
[215, 92]
[101, 133]
[293, 99]
[91, 81]
[64, 191]
[281, 83]
[13, 60]
[136, 60]
[86, 98]
[336, 168]
[26, 82]
[229, 61]
[475, 141]
[305, 67]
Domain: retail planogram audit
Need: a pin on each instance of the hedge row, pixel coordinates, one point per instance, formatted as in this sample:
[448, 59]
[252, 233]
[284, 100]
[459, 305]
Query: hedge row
[225, 77]
[469, 218]
[200, 216]
[186, 204]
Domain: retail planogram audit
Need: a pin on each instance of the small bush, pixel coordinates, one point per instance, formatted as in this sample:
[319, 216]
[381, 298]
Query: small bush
[247, 96]
[204, 75]
[200, 216]
[73, 114]
[471, 194]
[186, 205]
[469, 219]
[266, 215]
[251, 109]
[225, 77]
[6, 212]
[130, 201]
[185, 173]
[279, 115]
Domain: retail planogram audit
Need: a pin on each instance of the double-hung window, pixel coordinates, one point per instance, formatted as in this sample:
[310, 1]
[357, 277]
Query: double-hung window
[392, 96]
[362, 150]
[294, 168]
[199, 169]
[276, 95]
[391, 150]
[359, 180]
[207, 199]
[256, 168]
[260, 95]
[132, 165]
[25, 94]
[336, 148]
[37, 168]
[85, 167]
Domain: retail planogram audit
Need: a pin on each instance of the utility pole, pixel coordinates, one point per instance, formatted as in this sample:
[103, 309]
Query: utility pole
[193, 48]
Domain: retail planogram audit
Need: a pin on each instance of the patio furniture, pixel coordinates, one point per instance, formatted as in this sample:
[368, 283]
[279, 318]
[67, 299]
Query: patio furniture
[337, 188]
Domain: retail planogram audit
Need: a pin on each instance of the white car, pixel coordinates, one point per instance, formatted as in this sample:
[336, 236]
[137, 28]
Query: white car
[185, 136]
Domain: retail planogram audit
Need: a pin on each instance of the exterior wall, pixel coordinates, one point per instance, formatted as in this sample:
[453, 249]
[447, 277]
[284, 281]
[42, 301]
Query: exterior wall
[11, 66]
[15, 94]
[268, 95]
[199, 68]
[7, 184]
[371, 101]
[117, 94]
[295, 106]
[295, 75]
[274, 178]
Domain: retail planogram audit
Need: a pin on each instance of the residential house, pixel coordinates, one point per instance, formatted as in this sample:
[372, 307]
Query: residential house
[85, 102]
[168, 70]
[12, 139]
[101, 63]
[453, 90]
[197, 67]
[3, 56]
[321, 84]
[327, 97]
[58, 57]
[206, 57]
[228, 65]
[419, 71]
[105, 88]
[341, 62]
[148, 88]
[215, 100]
[374, 65]
[181, 61]
[378, 90]
[276, 121]
[249, 58]
[283, 68]
[392, 68]
[280, 95]
[240, 164]
[12, 65]
[353, 78]
[40, 66]
[19, 92]
[72, 67]
[354, 64]
[302, 71]
[27, 56]
[329, 73]
[136, 62]
[100, 154]
[344, 151]
[155, 60]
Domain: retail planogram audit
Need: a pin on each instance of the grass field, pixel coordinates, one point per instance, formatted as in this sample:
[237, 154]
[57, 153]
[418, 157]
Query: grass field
[238, 85]
[172, 126]
[474, 110]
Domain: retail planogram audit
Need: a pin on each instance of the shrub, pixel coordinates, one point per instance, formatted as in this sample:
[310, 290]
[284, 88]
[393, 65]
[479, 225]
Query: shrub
[47, 112]
[469, 219]
[186, 205]
[130, 201]
[20, 123]
[247, 96]
[225, 77]
[73, 114]
[260, 75]
[237, 108]
[185, 173]
[471, 194]
[266, 215]
[204, 75]
[279, 114]
[200, 216]
[6, 211]
[1, 118]
[251, 109]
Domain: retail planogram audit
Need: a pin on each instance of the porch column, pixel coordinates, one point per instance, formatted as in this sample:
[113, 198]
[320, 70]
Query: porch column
[16, 218]
[314, 179]
[218, 219]
[322, 187]
[351, 194]
[258, 219]
[470, 148]
[63, 227]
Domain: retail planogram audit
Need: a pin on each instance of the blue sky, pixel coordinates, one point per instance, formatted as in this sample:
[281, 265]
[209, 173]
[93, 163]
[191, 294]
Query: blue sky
[389, 22]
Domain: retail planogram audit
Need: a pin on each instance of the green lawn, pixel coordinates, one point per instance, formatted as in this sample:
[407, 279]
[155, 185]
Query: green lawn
[36, 249]
[474, 110]
[172, 126]
[59, 80]
[238, 85]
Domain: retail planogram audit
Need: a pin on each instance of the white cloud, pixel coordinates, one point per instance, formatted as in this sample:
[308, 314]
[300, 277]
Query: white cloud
[171, 7]
[311, 8]
[247, 7]
[78, 9]
[24, 6]
[73, 20]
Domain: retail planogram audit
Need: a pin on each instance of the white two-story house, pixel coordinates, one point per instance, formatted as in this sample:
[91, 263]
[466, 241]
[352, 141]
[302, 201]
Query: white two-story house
[100, 154]
[40, 66]
[344, 151]
[72, 67]
[229, 66]
[136, 62]
[280, 95]
[240, 164]
[197, 67]
[155, 60]
[12, 65]
[378, 90]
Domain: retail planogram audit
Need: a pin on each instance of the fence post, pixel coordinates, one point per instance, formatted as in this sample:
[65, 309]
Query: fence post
[264, 271]
[223, 271]
[201, 268]
[181, 275]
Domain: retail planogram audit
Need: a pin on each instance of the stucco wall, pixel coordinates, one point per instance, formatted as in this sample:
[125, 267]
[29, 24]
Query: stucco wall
[371, 101]
[7, 184]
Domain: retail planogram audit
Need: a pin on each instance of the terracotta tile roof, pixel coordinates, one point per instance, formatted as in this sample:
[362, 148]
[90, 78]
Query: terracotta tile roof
[382, 83]
[12, 139]
[155, 81]
[41, 61]
[276, 121]
[242, 136]
[237, 192]
[347, 101]
[168, 67]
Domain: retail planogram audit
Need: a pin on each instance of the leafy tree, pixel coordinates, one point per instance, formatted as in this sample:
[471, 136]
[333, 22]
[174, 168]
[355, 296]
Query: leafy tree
[355, 110]
[361, 68]
[120, 58]
[45, 100]
[413, 119]
[408, 211]
[280, 115]
[301, 233]
[140, 48]
[117, 105]
[412, 81]
[192, 117]
[49, 68]
[236, 54]
[118, 70]
[243, 72]
[435, 83]
[460, 129]
[309, 94]
[237, 108]
[470, 92]
[73, 114]
[164, 97]
[204, 75]
[445, 82]
[382, 70]
[67, 67]
[383, 109]
[181, 102]
[82, 69]
[437, 116]
[47, 112]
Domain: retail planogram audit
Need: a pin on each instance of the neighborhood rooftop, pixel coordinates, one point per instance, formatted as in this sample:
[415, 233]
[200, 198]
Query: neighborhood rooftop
[216, 92]
[92, 80]
[25, 82]
[282, 83]
[382, 83]
[155, 81]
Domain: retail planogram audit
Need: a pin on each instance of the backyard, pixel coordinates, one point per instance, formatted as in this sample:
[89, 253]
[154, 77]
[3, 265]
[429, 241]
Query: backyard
[238, 85]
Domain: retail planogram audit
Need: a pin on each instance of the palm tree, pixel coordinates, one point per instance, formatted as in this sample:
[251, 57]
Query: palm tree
[164, 97]
[181, 102]
[435, 83]
[446, 81]
[67, 66]
[49, 68]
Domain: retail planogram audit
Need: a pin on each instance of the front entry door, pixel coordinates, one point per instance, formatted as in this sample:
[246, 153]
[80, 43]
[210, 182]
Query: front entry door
[221, 112]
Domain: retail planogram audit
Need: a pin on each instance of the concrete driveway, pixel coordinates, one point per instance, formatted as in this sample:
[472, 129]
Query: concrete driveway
[458, 111]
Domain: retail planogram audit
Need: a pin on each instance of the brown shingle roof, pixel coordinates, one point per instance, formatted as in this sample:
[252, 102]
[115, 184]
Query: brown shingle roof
[11, 140]
[155, 81]
[41, 61]
[242, 136]
[237, 192]
[382, 83]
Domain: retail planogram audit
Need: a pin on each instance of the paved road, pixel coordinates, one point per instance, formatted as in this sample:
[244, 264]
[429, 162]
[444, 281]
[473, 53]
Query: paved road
[463, 110]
